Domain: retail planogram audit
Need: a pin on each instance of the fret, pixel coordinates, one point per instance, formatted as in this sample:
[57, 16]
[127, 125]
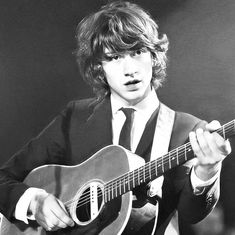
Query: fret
[233, 127]
[177, 156]
[139, 176]
[128, 180]
[155, 163]
[150, 172]
[126, 184]
[174, 160]
[135, 177]
[120, 187]
[108, 194]
[144, 173]
[105, 192]
[169, 160]
[185, 153]
[112, 191]
[149, 166]
[162, 165]
[132, 179]
[223, 132]
[116, 189]
[123, 185]
[159, 165]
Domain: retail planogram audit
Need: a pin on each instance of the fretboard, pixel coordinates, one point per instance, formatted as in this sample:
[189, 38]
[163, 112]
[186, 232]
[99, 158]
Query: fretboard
[155, 168]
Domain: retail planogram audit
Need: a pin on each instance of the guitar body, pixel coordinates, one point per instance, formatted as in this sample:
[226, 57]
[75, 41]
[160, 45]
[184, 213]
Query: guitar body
[97, 193]
[73, 184]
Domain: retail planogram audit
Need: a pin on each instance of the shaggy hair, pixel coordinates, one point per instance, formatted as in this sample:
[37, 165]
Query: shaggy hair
[119, 27]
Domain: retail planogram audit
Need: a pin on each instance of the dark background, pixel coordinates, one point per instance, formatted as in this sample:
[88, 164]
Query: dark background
[39, 75]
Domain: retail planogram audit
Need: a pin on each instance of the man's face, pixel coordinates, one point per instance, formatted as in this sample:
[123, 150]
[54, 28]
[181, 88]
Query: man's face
[129, 74]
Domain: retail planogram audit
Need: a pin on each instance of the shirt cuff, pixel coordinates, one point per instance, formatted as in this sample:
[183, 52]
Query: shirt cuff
[22, 205]
[199, 185]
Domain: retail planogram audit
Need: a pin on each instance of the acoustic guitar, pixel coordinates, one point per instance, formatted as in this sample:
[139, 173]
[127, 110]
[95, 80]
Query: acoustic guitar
[98, 192]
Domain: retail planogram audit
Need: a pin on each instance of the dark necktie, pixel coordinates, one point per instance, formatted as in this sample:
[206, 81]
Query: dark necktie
[125, 135]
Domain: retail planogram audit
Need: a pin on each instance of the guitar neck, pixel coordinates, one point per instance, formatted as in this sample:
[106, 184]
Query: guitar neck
[155, 168]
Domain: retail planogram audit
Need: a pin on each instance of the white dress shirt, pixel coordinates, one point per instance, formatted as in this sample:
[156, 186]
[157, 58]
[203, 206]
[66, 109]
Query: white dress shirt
[143, 112]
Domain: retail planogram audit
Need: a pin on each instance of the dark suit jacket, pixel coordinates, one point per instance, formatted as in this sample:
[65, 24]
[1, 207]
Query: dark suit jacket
[82, 129]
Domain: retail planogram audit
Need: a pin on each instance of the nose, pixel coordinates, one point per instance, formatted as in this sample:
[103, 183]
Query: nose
[129, 66]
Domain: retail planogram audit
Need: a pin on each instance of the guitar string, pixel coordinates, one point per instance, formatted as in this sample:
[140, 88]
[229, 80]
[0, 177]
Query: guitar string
[123, 178]
[110, 186]
[121, 181]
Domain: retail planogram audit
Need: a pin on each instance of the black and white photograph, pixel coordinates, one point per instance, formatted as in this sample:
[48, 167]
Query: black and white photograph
[117, 117]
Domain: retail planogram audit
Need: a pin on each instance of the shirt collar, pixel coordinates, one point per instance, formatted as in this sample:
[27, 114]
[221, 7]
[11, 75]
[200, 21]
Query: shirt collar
[146, 107]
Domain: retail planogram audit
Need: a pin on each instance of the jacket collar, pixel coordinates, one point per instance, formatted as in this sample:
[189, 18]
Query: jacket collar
[100, 121]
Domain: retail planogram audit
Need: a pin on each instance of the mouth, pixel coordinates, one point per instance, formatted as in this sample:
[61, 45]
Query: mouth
[132, 82]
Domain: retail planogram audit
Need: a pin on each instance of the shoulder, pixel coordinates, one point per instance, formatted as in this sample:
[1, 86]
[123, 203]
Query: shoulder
[83, 108]
[81, 104]
[188, 121]
[184, 123]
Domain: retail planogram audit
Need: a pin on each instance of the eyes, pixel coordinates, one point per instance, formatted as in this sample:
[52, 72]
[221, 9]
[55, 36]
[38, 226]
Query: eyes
[116, 57]
[139, 52]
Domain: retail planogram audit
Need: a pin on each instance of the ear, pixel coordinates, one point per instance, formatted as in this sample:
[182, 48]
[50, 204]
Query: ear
[154, 59]
[98, 66]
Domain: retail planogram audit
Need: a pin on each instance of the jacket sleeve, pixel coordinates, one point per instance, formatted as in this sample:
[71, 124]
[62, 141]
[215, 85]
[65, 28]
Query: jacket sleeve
[191, 207]
[50, 146]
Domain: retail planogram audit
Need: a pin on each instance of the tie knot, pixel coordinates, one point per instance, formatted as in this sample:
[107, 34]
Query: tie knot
[128, 112]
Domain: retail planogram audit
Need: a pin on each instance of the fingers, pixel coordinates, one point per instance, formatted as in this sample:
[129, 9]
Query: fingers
[209, 148]
[224, 145]
[51, 214]
[213, 125]
[200, 145]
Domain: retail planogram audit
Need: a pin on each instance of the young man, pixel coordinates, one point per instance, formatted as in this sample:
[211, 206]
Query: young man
[121, 55]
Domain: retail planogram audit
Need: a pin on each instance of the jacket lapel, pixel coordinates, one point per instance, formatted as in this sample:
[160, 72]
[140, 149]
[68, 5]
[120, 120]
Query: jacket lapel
[100, 121]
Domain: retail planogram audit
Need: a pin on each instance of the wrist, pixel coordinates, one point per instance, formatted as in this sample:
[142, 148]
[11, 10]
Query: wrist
[35, 202]
[206, 172]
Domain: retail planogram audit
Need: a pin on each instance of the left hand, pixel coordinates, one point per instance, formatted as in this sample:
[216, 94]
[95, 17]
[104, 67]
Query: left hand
[210, 150]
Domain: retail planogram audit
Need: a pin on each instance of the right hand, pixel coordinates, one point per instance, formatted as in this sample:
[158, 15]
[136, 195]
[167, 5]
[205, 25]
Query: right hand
[50, 212]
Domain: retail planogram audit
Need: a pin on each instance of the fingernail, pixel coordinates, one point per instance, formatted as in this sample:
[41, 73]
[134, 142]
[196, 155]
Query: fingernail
[199, 130]
[191, 134]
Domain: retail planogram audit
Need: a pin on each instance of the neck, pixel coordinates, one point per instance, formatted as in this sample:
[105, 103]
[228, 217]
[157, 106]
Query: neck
[150, 101]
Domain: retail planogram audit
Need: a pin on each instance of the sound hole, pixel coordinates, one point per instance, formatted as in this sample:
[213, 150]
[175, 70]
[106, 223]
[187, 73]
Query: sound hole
[89, 203]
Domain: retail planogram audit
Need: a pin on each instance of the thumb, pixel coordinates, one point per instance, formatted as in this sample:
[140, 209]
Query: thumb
[213, 125]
